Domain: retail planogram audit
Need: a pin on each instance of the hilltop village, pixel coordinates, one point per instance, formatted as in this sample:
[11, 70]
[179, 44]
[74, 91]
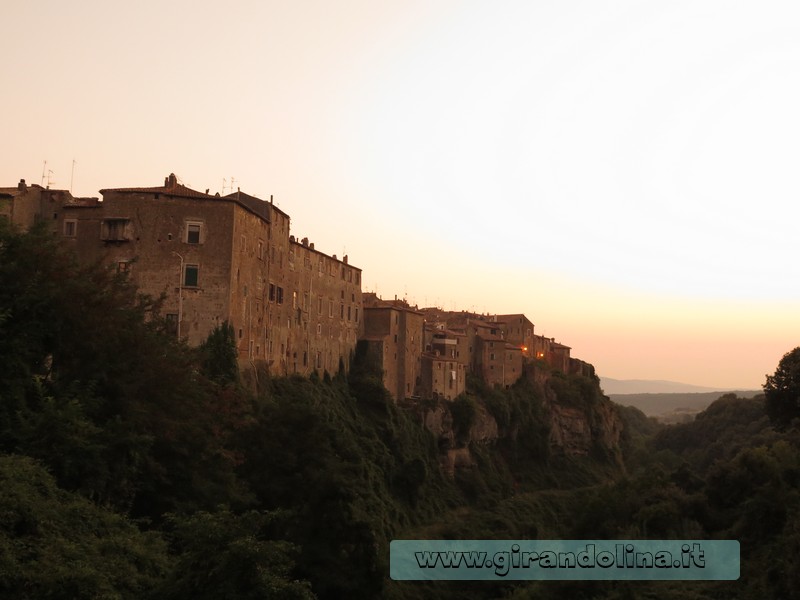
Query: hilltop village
[293, 308]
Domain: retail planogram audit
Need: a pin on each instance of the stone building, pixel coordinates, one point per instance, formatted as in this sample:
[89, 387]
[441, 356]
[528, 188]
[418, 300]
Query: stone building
[224, 258]
[293, 308]
[393, 334]
[518, 330]
[445, 363]
[25, 204]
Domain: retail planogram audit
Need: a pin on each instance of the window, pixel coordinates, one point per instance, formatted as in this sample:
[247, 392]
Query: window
[294, 299]
[272, 292]
[123, 266]
[116, 230]
[192, 233]
[70, 228]
[356, 319]
[319, 307]
[280, 295]
[491, 356]
[260, 250]
[190, 275]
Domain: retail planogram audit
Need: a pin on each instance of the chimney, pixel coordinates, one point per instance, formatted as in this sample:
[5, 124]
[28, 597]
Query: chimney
[311, 245]
[21, 186]
[304, 241]
[171, 181]
[344, 259]
[333, 257]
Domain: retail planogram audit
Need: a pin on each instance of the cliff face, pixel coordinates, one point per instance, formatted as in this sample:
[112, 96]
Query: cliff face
[571, 412]
[576, 431]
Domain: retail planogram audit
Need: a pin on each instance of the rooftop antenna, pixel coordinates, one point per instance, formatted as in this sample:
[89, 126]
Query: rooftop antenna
[233, 181]
[49, 181]
[224, 181]
[72, 176]
[44, 170]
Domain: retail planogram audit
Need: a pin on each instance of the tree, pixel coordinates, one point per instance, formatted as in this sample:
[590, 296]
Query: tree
[782, 390]
[223, 555]
[57, 544]
[219, 356]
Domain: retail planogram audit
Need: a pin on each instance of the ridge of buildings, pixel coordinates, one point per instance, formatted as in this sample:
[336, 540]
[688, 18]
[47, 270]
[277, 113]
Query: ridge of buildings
[293, 308]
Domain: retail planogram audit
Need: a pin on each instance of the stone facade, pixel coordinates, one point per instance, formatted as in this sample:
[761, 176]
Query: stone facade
[393, 332]
[293, 308]
[224, 258]
[25, 204]
[518, 330]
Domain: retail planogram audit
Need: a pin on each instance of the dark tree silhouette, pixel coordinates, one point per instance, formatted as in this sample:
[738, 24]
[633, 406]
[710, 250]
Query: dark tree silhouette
[782, 390]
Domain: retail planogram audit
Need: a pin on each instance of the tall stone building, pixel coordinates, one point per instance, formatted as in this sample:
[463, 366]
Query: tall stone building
[222, 258]
[293, 308]
[393, 334]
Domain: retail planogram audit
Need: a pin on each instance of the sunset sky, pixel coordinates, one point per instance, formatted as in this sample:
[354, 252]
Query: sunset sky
[625, 173]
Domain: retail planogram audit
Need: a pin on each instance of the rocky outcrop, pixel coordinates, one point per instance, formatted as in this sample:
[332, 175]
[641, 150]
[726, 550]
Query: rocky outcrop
[577, 426]
[579, 431]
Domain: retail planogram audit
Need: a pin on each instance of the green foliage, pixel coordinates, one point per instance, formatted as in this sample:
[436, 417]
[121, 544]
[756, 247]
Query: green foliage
[782, 390]
[350, 468]
[727, 426]
[223, 555]
[94, 386]
[219, 358]
[575, 390]
[296, 493]
[55, 544]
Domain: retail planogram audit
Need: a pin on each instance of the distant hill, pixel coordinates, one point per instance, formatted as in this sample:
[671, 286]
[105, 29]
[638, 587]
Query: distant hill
[649, 386]
[667, 405]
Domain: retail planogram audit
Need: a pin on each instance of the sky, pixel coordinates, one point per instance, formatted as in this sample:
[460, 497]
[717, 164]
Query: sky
[624, 173]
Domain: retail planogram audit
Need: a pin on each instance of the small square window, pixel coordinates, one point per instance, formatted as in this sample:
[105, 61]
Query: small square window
[70, 228]
[190, 275]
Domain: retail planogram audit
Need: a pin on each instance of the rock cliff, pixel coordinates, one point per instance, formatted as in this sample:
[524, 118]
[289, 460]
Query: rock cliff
[570, 411]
